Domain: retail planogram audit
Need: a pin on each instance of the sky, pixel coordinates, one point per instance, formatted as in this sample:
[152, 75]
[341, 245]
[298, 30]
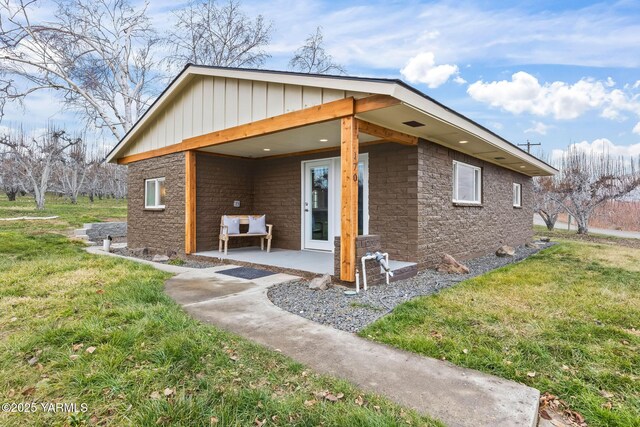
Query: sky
[551, 72]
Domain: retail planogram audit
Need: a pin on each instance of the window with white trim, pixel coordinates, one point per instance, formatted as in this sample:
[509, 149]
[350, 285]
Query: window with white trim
[467, 183]
[517, 195]
[154, 193]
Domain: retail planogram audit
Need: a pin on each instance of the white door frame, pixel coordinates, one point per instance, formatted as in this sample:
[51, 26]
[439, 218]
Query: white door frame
[334, 201]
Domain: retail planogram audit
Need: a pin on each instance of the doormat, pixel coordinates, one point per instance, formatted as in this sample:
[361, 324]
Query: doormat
[246, 273]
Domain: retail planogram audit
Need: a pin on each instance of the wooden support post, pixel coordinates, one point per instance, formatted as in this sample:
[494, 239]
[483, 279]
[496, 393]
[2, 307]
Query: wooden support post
[349, 198]
[190, 202]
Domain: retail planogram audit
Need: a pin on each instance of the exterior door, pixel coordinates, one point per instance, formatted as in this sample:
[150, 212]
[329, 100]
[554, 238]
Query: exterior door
[318, 205]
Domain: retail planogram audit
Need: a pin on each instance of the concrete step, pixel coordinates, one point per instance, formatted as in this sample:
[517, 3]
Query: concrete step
[82, 236]
[80, 232]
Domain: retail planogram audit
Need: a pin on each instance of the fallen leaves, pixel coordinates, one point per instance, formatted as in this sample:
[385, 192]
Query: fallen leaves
[90, 350]
[531, 374]
[77, 347]
[436, 335]
[359, 401]
[168, 392]
[558, 412]
[465, 351]
[28, 391]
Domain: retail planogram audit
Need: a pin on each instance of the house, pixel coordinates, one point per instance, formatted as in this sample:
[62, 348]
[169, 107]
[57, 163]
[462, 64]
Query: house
[339, 165]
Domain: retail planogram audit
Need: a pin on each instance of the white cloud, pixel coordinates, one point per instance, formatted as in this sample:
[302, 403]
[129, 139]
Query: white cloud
[422, 68]
[458, 79]
[538, 127]
[636, 128]
[601, 145]
[561, 100]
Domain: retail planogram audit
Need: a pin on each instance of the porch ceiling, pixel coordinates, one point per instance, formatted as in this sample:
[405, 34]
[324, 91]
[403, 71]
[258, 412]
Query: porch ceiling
[312, 137]
[449, 135]
[296, 140]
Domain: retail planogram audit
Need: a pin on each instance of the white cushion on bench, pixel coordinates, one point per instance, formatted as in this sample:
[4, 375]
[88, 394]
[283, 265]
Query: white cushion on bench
[257, 225]
[233, 225]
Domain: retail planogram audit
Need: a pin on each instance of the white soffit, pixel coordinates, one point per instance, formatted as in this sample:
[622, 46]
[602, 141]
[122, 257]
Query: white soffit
[297, 140]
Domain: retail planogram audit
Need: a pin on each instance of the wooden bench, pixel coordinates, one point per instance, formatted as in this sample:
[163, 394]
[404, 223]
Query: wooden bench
[244, 220]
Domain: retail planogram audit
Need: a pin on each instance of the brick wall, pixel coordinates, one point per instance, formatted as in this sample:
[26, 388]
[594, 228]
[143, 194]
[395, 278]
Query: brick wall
[219, 182]
[410, 202]
[467, 231]
[393, 210]
[159, 230]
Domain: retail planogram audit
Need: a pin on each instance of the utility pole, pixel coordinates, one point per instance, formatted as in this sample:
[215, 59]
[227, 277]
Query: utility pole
[529, 144]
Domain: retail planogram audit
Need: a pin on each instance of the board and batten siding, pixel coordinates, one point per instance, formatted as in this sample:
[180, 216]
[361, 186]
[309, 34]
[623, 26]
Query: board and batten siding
[207, 104]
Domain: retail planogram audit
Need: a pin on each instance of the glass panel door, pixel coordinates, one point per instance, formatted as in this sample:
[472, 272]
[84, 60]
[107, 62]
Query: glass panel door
[318, 205]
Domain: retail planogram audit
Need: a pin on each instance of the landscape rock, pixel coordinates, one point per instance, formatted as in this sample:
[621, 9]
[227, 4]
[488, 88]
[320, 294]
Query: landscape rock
[160, 258]
[545, 239]
[139, 252]
[451, 266]
[533, 245]
[320, 283]
[505, 250]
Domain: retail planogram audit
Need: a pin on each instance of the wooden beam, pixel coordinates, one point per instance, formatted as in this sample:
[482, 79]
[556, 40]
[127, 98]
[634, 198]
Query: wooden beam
[375, 102]
[190, 202]
[228, 156]
[295, 119]
[349, 198]
[386, 134]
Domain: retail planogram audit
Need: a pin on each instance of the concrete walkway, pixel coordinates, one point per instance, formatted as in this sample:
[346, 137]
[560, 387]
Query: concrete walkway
[454, 395]
[559, 225]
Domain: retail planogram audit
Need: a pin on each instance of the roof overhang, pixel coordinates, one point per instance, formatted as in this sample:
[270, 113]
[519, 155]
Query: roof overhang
[433, 121]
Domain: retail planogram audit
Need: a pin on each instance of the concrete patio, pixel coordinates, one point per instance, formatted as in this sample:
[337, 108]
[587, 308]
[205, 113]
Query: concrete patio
[313, 261]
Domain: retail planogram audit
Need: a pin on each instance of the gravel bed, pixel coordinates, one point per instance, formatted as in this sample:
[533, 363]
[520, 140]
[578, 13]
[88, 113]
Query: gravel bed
[353, 313]
[149, 257]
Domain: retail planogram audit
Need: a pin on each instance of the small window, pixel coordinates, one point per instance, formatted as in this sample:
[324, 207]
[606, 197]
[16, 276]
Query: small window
[517, 195]
[154, 193]
[467, 183]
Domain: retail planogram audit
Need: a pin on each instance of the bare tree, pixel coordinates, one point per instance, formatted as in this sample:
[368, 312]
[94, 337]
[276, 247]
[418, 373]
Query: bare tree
[312, 57]
[590, 179]
[35, 158]
[96, 53]
[74, 166]
[9, 181]
[548, 200]
[207, 33]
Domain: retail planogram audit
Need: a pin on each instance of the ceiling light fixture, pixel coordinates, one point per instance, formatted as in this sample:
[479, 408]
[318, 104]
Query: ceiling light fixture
[324, 140]
[523, 166]
[464, 141]
[266, 149]
[499, 158]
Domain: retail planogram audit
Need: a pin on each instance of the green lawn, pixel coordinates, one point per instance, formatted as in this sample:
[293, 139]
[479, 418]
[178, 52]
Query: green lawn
[71, 216]
[565, 321]
[77, 328]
